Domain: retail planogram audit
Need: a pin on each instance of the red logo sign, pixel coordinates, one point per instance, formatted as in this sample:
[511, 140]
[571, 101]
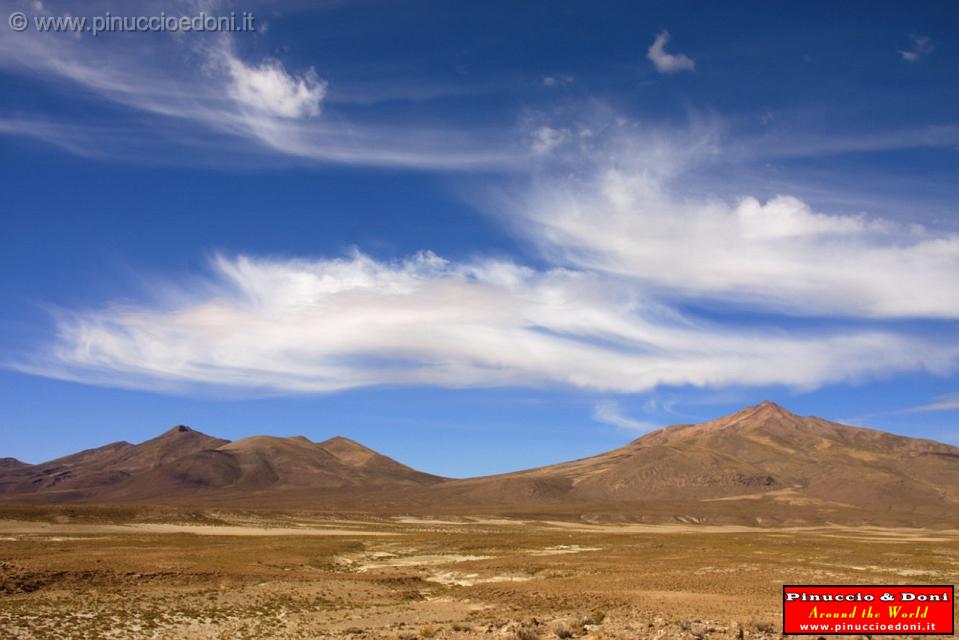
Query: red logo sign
[868, 609]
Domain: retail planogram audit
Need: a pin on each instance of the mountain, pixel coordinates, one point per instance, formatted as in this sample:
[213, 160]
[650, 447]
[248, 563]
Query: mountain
[186, 465]
[7, 464]
[91, 472]
[272, 471]
[761, 466]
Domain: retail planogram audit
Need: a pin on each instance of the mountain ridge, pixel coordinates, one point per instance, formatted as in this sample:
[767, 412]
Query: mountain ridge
[760, 465]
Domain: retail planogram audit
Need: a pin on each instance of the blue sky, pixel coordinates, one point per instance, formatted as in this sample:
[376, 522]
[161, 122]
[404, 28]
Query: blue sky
[478, 237]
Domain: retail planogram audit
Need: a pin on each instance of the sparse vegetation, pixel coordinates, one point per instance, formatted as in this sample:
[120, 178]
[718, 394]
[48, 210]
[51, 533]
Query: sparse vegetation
[526, 633]
[562, 631]
[93, 580]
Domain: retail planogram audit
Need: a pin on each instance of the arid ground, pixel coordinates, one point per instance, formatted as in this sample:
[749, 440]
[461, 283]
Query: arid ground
[89, 572]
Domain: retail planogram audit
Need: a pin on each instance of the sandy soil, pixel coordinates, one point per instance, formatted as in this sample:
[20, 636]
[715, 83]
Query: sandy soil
[11, 528]
[247, 575]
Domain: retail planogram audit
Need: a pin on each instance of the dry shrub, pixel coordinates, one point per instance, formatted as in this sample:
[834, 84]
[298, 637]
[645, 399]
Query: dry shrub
[526, 633]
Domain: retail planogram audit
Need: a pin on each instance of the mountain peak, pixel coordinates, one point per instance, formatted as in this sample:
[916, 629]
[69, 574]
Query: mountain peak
[765, 410]
[349, 451]
[342, 441]
[12, 463]
[181, 436]
[764, 417]
[768, 407]
[180, 428]
[768, 404]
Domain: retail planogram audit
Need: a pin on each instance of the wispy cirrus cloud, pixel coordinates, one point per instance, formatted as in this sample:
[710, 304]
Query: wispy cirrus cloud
[922, 47]
[666, 62]
[74, 139]
[949, 402]
[609, 412]
[547, 139]
[558, 80]
[203, 88]
[203, 83]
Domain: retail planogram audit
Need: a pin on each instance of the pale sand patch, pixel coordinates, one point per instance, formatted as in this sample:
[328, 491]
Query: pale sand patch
[886, 540]
[891, 535]
[386, 560]
[789, 495]
[46, 528]
[499, 521]
[866, 533]
[431, 521]
[454, 578]
[893, 570]
[562, 549]
[650, 528]
[211, 530]
[464, 521]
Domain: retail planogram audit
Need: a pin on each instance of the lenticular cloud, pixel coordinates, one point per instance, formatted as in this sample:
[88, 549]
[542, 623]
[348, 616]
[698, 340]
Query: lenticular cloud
[324, 325]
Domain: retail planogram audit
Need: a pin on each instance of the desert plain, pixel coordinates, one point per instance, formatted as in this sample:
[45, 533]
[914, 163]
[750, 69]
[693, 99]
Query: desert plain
[87, 571]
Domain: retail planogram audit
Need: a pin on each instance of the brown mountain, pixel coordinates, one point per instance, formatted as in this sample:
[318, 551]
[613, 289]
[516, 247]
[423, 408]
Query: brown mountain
[184, 465]
[7, 464]
[762, 465]
[271, 471]
[95, 471]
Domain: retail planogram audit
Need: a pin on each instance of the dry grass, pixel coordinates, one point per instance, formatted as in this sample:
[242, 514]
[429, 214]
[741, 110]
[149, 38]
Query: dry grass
[629, 583]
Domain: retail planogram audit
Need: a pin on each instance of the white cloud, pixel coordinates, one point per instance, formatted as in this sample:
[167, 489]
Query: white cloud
[201, 88]
[627, 244]
[668, 62]
[921, 47]
[609, 412]
[776, 145]
[547, 139]
[627, 251]
[324, 325]
[73, 139]
[557, 80]
[629, 218]
[269, 88]
[948, 402]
